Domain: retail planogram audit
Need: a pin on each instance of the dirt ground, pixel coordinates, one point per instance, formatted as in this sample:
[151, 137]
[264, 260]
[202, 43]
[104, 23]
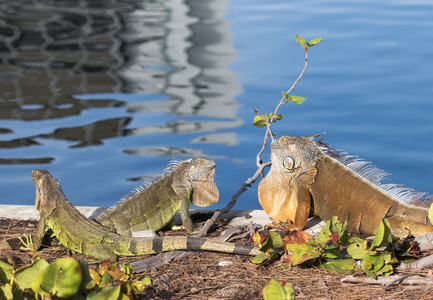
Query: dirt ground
[200, 275]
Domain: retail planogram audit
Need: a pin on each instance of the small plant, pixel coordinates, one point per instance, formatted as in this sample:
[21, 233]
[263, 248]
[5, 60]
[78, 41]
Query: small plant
[374, 260]
[276, 291]
[66, 278]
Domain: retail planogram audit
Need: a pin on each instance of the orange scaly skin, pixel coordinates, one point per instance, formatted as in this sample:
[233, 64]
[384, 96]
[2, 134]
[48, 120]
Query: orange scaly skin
[306, 174]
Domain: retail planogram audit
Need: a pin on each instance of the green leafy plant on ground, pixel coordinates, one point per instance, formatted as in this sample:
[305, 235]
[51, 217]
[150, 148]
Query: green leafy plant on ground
[276, 291]
[68, 278]
[334, 251]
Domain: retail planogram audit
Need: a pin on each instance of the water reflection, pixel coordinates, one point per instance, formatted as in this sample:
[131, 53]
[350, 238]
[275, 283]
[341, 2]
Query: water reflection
[55, 56]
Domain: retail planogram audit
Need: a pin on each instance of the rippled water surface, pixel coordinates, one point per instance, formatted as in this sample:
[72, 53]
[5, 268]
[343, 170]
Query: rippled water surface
[105, 94]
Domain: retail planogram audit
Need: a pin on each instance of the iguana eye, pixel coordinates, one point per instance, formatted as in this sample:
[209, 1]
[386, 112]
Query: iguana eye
[289, 163]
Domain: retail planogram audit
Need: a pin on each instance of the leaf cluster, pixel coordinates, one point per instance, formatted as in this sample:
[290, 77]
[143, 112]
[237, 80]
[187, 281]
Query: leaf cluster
[335, 251]
[306, 45]
[262, 120]
[68, 278]
[276, 291]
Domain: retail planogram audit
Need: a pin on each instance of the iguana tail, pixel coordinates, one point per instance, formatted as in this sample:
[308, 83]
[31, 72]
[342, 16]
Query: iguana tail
[141, 246]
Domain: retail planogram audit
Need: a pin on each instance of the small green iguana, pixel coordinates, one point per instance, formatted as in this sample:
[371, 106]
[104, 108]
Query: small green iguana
[85, 236]
[309, 174]
[154, 204]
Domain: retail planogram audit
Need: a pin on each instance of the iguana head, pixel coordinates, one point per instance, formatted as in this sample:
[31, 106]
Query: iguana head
[45, 184]
[293, 160]
[201, 174]
[294, 155]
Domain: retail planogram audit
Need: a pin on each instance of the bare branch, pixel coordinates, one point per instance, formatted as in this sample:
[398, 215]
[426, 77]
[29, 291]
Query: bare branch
[232, 202]
[260, 165]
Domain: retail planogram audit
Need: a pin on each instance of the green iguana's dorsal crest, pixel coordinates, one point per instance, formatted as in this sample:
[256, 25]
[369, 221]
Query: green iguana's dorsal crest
[154, 204]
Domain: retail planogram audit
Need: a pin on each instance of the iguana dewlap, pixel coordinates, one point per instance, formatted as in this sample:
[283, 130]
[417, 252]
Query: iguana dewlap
[154, 204]
[85, 236]
[308, 174]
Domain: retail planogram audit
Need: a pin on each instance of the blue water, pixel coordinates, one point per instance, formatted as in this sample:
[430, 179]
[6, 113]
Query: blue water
[189, 86]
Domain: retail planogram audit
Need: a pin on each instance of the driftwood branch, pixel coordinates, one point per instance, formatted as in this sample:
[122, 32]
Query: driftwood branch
[425, 242]
[410, 279]
[423, 263]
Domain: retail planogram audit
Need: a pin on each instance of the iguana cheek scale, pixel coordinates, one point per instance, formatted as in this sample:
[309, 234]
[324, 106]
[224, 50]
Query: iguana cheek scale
[85, 236]
[154, 204]
[308, 174]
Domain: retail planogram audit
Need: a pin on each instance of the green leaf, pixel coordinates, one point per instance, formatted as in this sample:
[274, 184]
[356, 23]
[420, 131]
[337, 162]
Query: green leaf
[259, 258]
[264, 259]
[274, 241]
[301, 41]
[286, 96]
[314, 42]
[6, 292]
[331, 250]
[107, 293]
[275, 291]
[61, 278]
[259, 121]
[87, 282]
[383, 235]
[275, 116]
[140, 285]
[25, 275]
[343, 265]
[297, 99]
[356, 250]
[106, 280]
[301, 253]
[6, 271]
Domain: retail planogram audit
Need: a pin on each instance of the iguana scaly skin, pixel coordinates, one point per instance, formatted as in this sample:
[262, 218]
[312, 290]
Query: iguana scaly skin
[309, 174]
[85, 236]
[153, 205]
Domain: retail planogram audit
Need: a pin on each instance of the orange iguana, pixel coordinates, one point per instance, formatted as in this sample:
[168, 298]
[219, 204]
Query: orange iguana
[308, 174]
[154, 204]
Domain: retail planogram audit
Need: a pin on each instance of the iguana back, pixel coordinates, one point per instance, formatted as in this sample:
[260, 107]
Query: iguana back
[154, 204]
[309, 174]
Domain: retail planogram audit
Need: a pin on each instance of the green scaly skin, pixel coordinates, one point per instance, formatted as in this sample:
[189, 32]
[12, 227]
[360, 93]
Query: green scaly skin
[154, 206]
[85, 236]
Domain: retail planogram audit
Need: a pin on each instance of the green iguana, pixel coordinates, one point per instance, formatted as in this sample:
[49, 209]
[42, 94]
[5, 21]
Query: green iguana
[154, 204]
[85, 236]
[309, 174]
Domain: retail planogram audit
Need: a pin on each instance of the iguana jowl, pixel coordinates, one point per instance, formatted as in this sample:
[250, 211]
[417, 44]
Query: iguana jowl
[153, 205]
[309, 174]
[85, 236]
